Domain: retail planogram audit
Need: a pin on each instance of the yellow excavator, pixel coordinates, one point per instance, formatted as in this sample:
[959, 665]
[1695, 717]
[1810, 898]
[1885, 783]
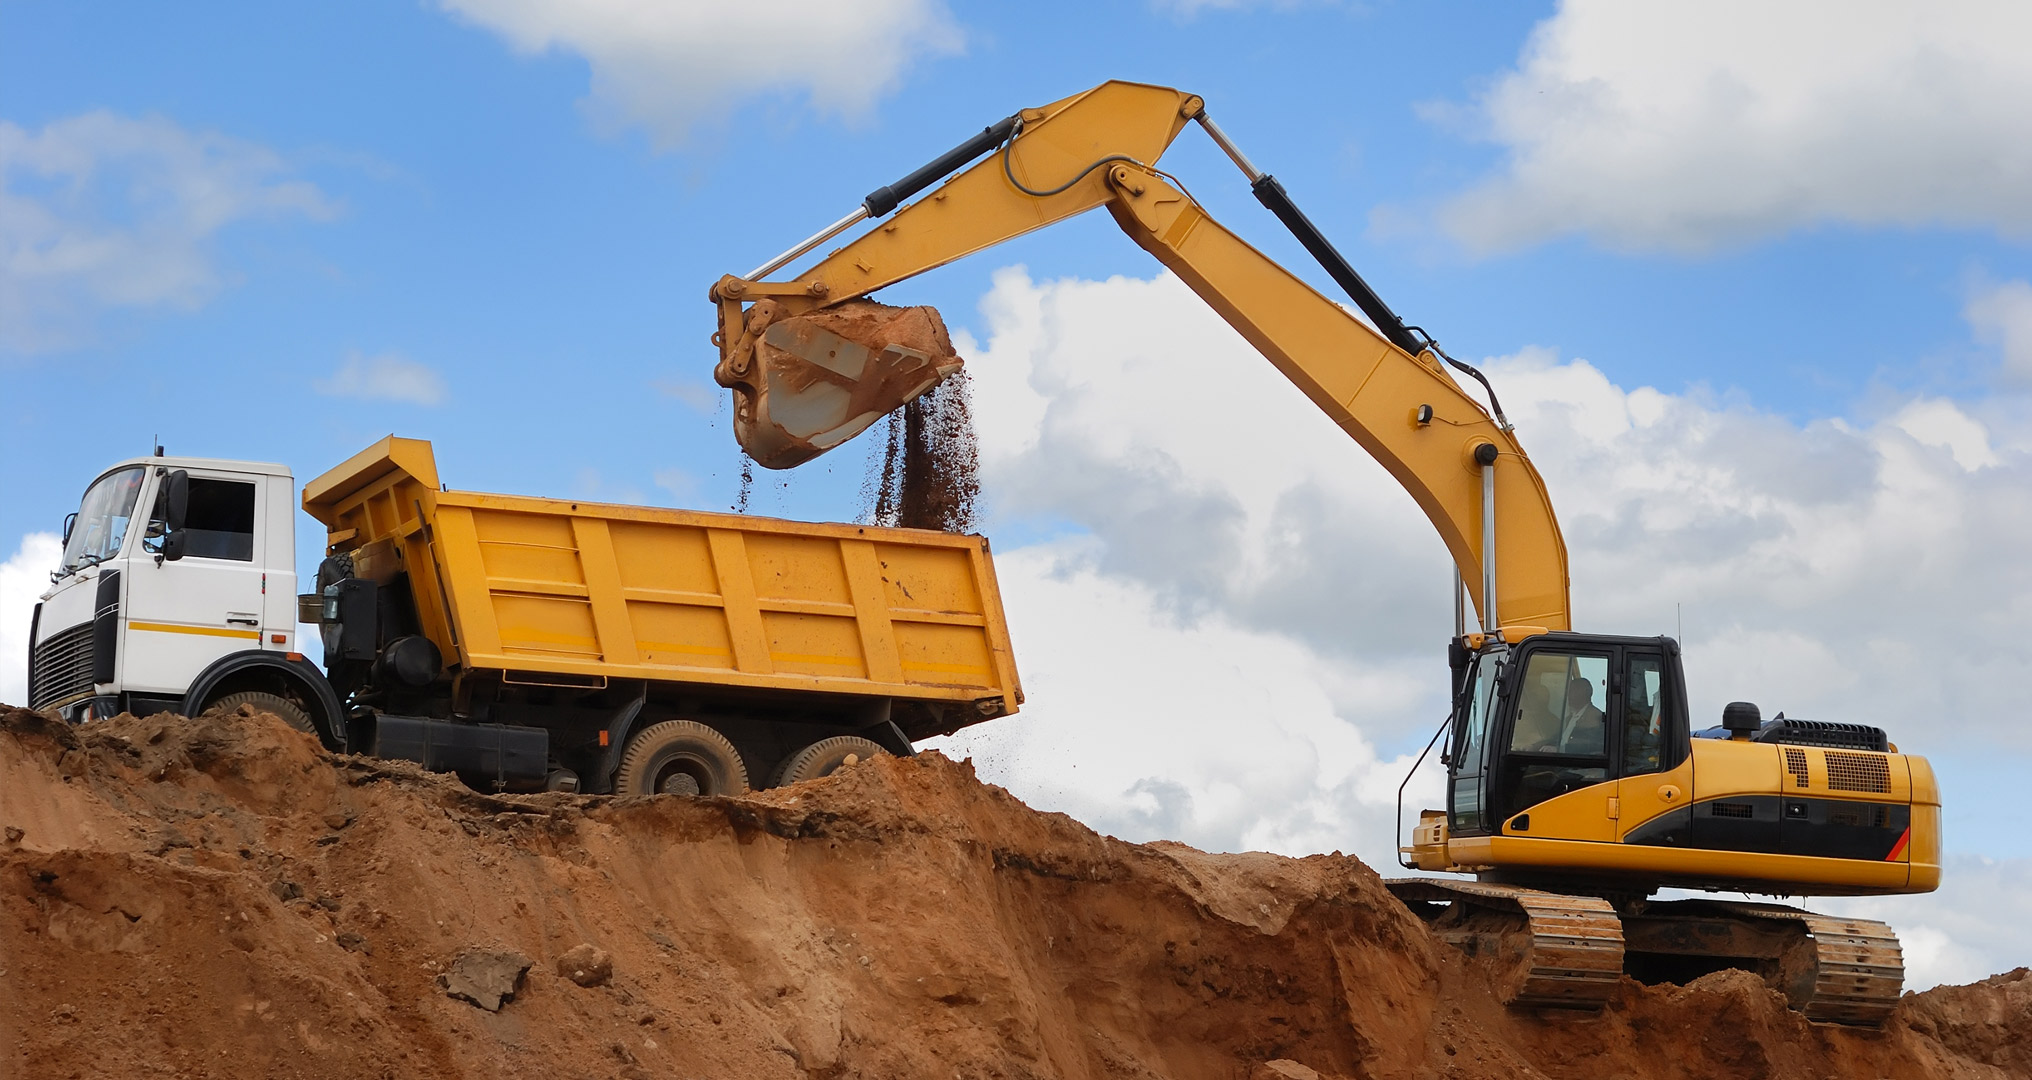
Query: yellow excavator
[1577, 787]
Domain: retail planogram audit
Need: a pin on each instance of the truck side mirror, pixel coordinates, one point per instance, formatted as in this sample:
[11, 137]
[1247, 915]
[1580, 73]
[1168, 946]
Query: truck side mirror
[70, 522]
[175, 508]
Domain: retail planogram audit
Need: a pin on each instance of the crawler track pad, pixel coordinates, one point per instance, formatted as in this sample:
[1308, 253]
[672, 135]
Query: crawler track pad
[1556, 951]
[1568, 951]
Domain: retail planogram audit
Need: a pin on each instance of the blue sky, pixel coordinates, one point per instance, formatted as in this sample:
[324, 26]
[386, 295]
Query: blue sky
[484, 223]
[386, 216]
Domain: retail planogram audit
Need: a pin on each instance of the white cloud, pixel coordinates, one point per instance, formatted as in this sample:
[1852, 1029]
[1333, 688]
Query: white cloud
[701, 398]
[1147, 725]
[1131, 409]
[1243, 607]
[1686, 126]
[384, 377]
[2002, 315]
[23, 579]
[1845, 571]
[1935, 422]
[670, 65]
[101, 212]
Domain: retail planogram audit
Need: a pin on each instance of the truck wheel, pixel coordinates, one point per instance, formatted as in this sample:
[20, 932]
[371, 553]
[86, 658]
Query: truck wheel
[290, 712]
[680, 757]
[825, 756]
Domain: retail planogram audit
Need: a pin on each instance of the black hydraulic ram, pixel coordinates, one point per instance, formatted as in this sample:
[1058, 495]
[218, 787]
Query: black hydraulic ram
[1409, 338]
[1271, 194]
[884, 199]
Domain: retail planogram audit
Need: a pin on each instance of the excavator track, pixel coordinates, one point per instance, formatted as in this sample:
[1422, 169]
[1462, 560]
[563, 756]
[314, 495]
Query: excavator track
[1569, 951]
[1568, 955]
[1858, 968]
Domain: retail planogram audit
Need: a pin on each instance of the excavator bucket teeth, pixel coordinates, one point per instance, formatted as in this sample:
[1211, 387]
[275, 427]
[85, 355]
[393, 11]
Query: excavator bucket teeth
[815, 381]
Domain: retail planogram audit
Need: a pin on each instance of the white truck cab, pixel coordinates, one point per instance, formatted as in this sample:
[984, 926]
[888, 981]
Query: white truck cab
[177, 591]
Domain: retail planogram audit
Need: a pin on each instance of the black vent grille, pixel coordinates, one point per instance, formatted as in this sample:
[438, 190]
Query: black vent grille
[1824, 733]
[1795, 764]
[1731, 809]
[1858, 772]
[63, 666]
[1864, 815]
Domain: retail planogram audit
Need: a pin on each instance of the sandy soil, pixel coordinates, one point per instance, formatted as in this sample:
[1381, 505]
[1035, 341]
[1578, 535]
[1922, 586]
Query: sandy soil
[219, 897]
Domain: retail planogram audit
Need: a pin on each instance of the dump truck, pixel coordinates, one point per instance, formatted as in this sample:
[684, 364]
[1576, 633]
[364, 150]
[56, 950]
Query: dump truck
[523, 643]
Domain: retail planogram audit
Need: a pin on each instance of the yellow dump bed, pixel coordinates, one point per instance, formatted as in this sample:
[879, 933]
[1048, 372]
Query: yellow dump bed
[577, 593]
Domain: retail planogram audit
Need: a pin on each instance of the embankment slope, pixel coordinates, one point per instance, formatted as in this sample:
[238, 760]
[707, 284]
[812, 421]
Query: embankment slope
[219, 897]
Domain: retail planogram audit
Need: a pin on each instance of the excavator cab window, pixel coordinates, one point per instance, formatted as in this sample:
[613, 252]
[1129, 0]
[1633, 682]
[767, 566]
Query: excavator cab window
[1476, 712]
[1647, 725]
[1585, 712]
[1562, 706]
[1559, 739]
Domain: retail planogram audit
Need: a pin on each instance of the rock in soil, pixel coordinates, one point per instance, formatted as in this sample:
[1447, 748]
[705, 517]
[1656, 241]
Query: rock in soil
[586, 965]
[485, 977]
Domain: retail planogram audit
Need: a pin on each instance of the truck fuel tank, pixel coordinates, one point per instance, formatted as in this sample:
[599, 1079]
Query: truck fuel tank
[513, 758]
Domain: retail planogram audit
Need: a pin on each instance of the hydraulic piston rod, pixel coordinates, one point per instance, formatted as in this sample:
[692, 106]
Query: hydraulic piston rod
[1273, 197]
[884, 199]
[1485, 456]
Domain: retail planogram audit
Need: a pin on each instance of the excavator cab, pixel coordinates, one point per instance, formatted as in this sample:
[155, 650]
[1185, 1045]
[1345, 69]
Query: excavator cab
[1560, 721]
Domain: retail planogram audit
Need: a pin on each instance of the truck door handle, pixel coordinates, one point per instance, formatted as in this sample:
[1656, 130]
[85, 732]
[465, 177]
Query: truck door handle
[244, 620]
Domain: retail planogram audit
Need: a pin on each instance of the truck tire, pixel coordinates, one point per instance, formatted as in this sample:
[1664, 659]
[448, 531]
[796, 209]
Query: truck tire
[825, 757]
[680, 757]
[290, 712]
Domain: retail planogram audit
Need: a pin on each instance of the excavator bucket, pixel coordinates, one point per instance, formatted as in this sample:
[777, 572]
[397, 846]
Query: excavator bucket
[814, 381]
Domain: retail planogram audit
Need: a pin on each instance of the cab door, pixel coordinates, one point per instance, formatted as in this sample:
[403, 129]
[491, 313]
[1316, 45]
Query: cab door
[1553, 752]
[1655, 770]
[183, 614]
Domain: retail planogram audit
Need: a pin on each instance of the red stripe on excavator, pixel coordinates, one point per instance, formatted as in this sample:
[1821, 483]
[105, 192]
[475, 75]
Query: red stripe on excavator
[1898, 849]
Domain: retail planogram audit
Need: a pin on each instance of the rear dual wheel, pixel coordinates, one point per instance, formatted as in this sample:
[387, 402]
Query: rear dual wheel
[680, 757]
[825, 757]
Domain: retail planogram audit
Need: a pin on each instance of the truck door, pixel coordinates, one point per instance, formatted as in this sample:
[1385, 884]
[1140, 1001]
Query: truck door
[186, 613]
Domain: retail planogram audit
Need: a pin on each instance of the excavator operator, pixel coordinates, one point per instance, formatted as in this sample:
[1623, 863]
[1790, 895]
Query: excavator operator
[1577, 729]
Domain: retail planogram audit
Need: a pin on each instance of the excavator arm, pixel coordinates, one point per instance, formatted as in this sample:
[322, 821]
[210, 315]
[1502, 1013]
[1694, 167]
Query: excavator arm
[803, 384]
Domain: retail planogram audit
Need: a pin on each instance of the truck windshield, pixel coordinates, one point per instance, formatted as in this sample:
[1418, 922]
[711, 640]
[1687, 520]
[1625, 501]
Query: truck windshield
[102, 521]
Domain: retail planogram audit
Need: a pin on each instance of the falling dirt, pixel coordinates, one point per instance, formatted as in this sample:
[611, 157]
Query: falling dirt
[928, 475]
[219, 897]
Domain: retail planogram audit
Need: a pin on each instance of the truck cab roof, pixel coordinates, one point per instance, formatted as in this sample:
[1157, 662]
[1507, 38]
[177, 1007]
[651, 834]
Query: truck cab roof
[262, 468]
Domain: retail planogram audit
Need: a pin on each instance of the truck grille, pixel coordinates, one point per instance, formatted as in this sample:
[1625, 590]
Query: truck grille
[63, 666]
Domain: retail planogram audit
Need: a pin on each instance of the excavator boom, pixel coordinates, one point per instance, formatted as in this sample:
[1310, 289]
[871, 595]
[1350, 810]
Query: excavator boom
[804, 382]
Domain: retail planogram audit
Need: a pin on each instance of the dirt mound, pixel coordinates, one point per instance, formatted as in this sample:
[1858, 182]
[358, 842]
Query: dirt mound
[218, 897]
